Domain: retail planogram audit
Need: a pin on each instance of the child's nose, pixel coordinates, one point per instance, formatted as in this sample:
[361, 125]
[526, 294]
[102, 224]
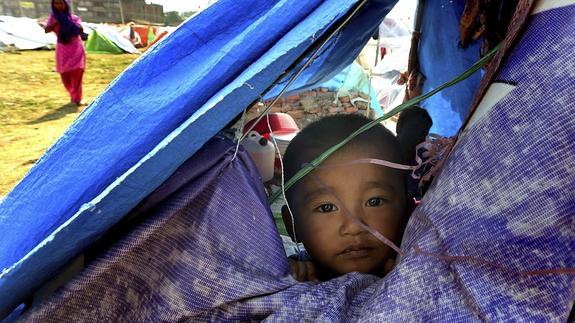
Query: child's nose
[351, 224]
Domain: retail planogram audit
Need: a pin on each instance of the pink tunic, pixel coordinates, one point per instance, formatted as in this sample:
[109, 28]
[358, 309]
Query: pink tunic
[70, 56]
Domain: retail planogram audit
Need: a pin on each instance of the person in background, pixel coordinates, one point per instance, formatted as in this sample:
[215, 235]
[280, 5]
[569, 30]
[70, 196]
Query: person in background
[134, 37]
[70, 52]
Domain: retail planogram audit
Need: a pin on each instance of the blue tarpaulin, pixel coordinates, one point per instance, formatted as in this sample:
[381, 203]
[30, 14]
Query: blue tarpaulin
[491, 241]
[156, 115]
[441, 59]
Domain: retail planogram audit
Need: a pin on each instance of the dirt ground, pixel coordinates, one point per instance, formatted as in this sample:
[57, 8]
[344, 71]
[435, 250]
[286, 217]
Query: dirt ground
[34, 106]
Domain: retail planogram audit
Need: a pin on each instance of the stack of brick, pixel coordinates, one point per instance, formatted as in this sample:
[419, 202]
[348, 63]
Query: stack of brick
[307, 107]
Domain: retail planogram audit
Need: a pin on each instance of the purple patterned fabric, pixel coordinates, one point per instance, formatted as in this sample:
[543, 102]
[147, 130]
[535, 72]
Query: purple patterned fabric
[208, 248]
[179, 262]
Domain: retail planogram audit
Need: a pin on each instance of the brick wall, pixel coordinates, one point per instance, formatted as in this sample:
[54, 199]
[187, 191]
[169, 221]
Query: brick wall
[307, 107]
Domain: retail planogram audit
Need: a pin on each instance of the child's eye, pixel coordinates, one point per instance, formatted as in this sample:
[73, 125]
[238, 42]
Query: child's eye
[375, 202]
[326, 208]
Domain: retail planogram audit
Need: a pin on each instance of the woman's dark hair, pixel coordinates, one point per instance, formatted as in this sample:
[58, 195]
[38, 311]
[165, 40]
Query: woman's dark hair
[67, 28]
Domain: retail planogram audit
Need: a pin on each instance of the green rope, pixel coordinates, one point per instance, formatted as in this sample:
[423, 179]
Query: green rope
[316, 162]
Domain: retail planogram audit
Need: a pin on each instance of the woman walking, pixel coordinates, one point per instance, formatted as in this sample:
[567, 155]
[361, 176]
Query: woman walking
[70, 52]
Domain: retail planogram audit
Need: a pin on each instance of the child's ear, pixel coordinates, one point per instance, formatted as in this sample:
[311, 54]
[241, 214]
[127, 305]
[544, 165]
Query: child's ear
[286, 217]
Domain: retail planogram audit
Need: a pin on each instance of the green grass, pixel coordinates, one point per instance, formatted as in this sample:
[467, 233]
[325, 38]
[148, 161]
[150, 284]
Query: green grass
[34, 106]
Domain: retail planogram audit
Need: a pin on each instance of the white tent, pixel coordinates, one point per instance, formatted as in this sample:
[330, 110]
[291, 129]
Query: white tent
[24, 33]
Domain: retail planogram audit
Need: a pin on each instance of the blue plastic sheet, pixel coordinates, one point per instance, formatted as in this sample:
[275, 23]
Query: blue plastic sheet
[156, 115]
[441, 59]
[353, 78]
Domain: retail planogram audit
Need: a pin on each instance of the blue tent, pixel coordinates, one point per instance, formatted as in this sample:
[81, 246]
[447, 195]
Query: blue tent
[165, 107]
[157, 114]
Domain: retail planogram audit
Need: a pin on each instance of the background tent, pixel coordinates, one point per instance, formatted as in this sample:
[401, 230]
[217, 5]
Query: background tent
[144, 32]
[161, 33]
[98, 43]
[107, 39]
[24, 33]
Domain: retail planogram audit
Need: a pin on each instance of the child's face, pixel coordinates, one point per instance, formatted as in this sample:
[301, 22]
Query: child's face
[372, 194]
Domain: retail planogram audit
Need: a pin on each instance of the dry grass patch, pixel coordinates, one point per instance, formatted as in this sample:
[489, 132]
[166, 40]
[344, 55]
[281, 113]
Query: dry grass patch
[34, 106]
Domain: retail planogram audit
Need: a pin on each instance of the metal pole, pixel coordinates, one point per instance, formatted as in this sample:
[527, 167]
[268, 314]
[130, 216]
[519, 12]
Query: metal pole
[121, 11]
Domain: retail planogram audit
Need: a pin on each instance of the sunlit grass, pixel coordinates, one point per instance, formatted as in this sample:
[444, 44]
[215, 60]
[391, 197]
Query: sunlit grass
[34, 109]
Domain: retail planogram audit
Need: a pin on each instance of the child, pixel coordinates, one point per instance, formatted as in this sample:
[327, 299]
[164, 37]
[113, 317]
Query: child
[326, 201]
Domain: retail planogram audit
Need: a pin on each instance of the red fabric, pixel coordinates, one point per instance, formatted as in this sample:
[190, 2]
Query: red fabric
[73, 83]
[143, 32]
[160, 36]
[278, 122]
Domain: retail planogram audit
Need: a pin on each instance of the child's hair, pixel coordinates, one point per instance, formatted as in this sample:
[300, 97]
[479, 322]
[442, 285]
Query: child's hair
[326, 132]
[414, 113]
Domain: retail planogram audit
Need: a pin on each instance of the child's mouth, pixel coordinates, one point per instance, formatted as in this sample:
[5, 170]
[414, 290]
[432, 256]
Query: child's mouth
[354, 252]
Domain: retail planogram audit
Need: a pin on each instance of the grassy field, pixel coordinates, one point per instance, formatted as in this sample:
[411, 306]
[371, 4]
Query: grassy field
[34, 106]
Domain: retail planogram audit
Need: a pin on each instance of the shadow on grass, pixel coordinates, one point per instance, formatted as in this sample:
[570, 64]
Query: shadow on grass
[59, 113]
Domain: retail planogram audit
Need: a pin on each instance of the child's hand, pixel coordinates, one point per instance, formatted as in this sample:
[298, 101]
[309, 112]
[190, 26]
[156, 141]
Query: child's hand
[302, 270]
